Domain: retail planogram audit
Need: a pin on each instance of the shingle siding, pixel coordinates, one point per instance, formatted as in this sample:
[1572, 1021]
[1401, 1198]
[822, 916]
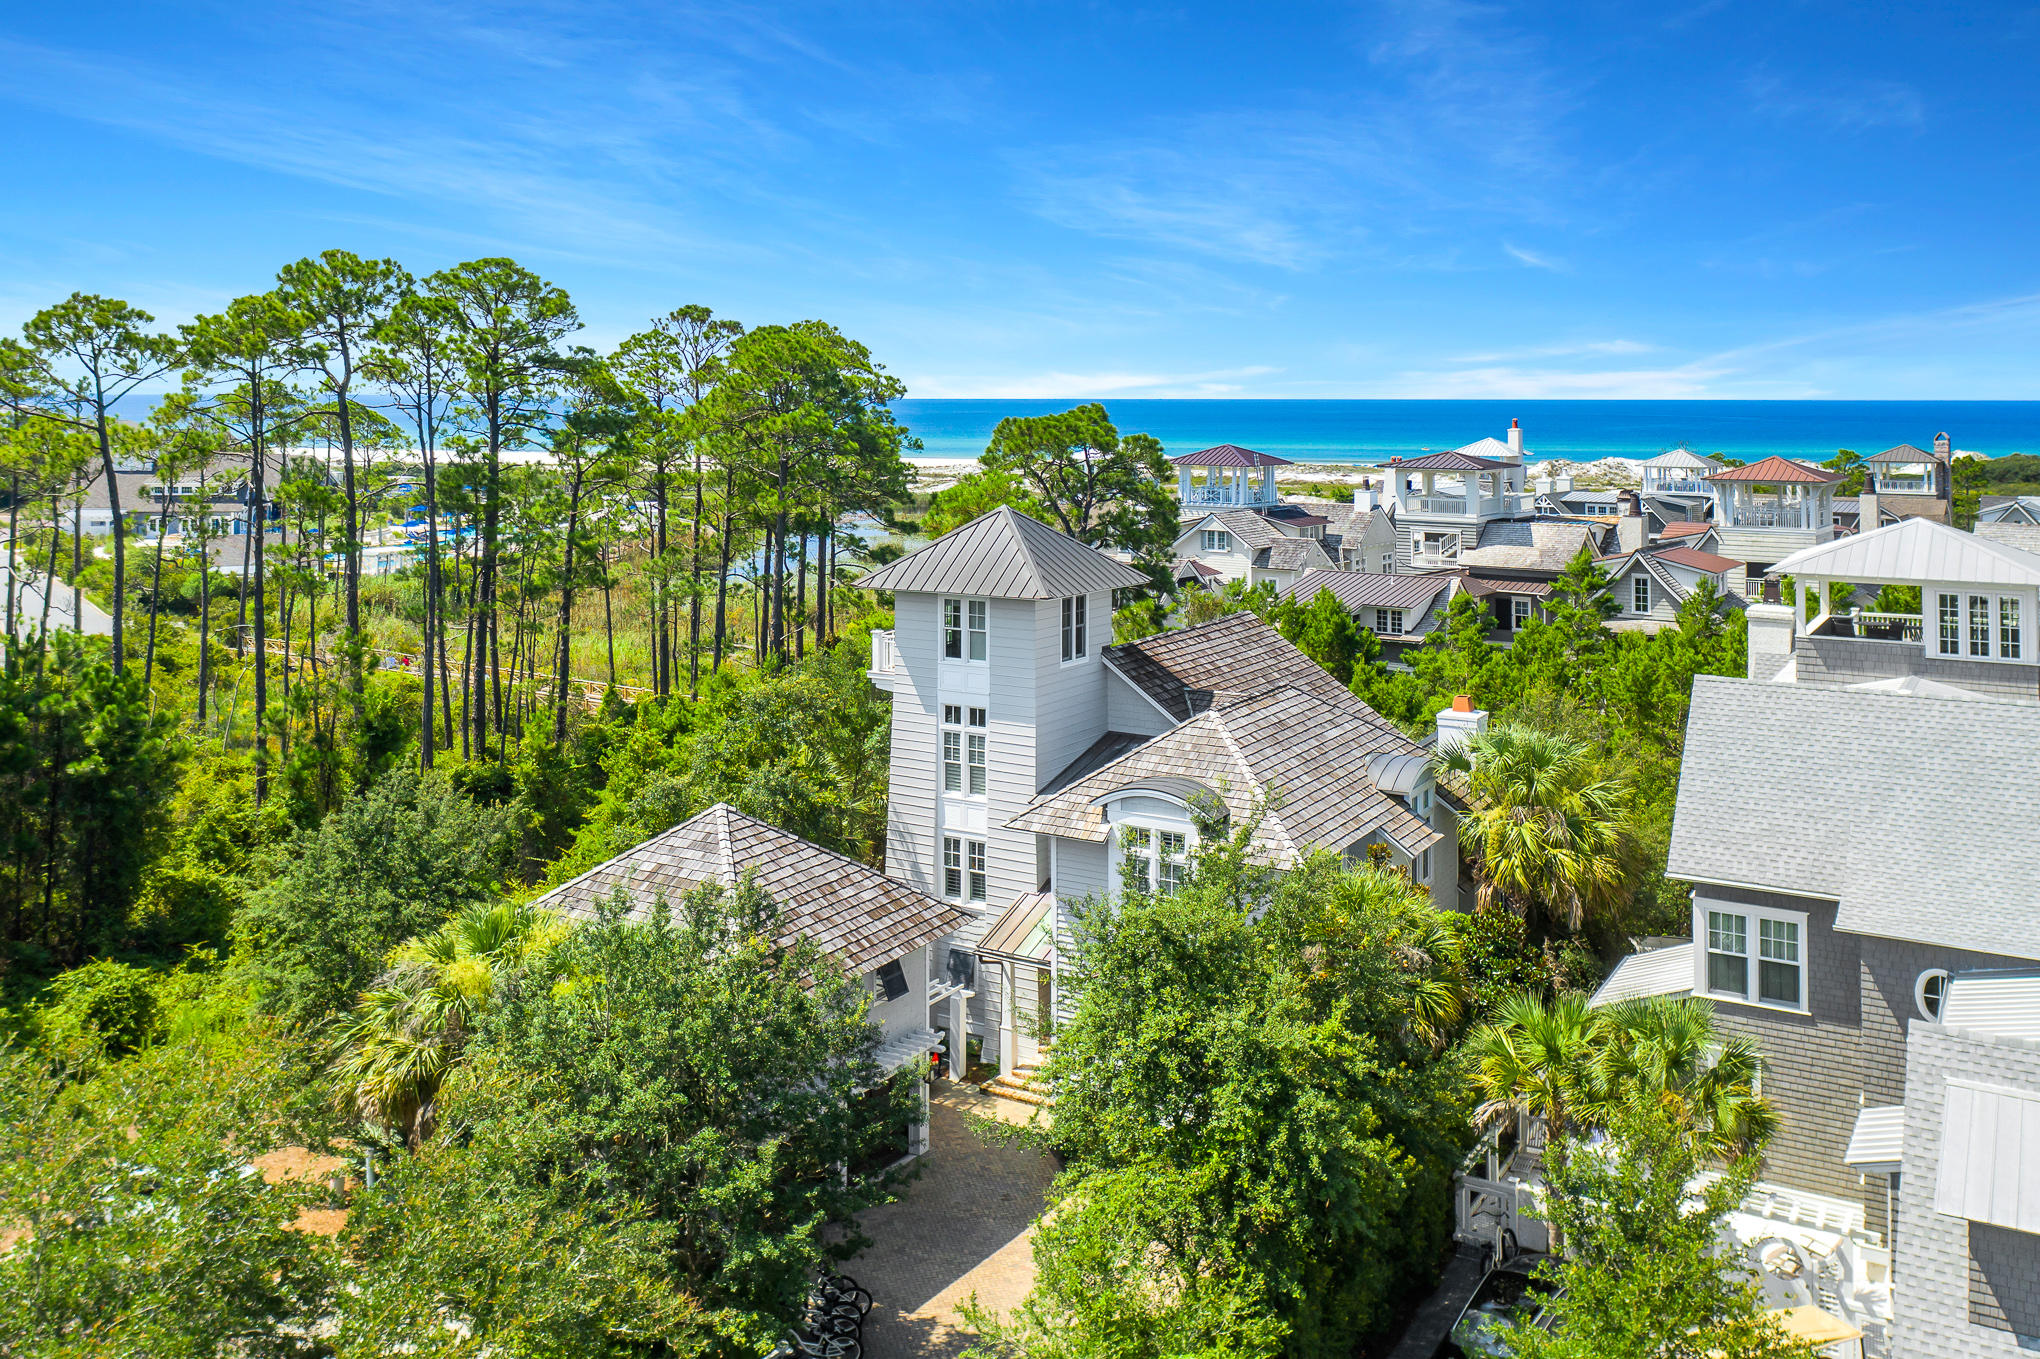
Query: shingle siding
[1857, 660]
[1955, 1288]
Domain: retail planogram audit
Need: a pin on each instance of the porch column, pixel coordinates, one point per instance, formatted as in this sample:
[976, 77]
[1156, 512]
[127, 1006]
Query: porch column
[1183, 485]
[1008, 990]
[917, 1130]
[959, 1039]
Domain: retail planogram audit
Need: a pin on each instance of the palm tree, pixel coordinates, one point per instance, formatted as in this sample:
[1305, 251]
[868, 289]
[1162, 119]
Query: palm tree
[1547, 835]
[1534, 1061]
[1664, 1051]
[409, 1031]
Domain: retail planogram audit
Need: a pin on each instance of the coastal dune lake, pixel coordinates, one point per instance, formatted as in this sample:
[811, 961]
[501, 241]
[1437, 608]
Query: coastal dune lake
[1577, 431]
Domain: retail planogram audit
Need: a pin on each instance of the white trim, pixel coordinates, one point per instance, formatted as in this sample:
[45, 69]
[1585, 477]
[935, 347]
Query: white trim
[1754, 887]
[1167, 716]
[1752, 955]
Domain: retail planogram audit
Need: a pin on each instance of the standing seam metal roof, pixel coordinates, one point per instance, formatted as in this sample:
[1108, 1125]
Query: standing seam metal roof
[1005, 555]
[852, 911]
[1365, 590]
[1229, 455]
[1916, 550]
[1776, 469]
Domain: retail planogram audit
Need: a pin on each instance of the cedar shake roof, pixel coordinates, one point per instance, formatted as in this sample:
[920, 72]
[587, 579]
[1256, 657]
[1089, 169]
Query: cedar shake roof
[1250, 528]
[1294, 554]
[1005, 555]
[1776, 469]
[855, 913]
[1228, 660]
[1531, 544]
[1451, 460]
[1306, 755]
[1189, 568]
[1358, 590]
[1229, 455]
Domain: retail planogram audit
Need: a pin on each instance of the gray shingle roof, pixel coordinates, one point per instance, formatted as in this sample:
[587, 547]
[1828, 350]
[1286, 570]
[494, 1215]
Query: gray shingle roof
[2011, 533]
[1371, 590]
[1529, 544]
[1832, 793]
[853, 912]
[1005, 555]
[1294, 554]
[1309, 753]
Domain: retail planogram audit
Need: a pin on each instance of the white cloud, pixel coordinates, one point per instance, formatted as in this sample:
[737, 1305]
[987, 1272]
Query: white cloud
[1227, 382]
[1534, 259]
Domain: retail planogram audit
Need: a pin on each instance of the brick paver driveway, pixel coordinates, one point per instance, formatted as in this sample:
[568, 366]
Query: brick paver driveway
[961, 1228]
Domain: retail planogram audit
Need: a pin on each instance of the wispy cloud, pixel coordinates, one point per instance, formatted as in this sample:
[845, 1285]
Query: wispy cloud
[1857, 106]
[1560, 351]
[1226, 382]
[1534, 259]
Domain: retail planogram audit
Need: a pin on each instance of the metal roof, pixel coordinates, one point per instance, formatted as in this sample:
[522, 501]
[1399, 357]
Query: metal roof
[1877, 1144]
[1709, 562]
[1005, 555]
[1018, 934]
[1372, 590]
[1660, 972]
[2004, 1004]
[1229, 455]
[1685, 529]
[1837, 779]
[855, 913]
[1451, 460]
[1489, 447]
[1776, 469]
[1990, 1156]
[1902, 453]
[1915, 551]
[1681, 458]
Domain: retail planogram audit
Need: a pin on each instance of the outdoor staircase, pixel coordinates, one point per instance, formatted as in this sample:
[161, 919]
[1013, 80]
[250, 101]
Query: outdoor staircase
[1019, 1085]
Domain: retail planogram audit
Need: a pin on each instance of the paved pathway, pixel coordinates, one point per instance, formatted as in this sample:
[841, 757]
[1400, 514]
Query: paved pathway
[961, 1228]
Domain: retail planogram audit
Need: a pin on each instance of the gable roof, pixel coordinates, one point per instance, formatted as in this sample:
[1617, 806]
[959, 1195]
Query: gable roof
[1451, 460]
[1489, 447]
[1680, 528]
[1294, 554]
[1776, 469]
[1229, 455]
[1659, 972]
[855, 913]
[1365, 589]
[1712, 563]
[1005, 555]
[1226, 661]
[1308, 752]
[1914, 550]
[1818, 791]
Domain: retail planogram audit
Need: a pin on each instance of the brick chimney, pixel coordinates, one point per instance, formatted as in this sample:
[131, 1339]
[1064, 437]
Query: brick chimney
[1941, 446]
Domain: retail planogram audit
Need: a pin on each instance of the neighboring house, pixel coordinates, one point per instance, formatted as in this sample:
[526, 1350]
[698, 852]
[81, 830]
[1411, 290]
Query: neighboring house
[1402, 610]
[877, 927]
[1973, 637]
[2008, 509]
[1031, 756]
[1649, 584]
[1828, 920]
[1252, 546]
[1765, 512]
[2011, 533]
[1699, 534]
[1907, 482]
[1359, 535]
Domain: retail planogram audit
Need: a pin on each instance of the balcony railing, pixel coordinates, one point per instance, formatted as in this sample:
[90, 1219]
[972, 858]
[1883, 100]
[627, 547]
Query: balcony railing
[1771, 517]
[1228, 495]
[1868, 626]
[884, 658]
[1684, 486]
[1436, 504]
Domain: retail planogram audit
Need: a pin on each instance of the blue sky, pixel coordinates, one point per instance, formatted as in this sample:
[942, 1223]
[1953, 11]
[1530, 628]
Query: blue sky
[1720, 198]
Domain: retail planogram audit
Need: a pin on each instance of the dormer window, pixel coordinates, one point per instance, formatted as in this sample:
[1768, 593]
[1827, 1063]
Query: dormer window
[964, 629]
[1075, 641]
[1639, 591]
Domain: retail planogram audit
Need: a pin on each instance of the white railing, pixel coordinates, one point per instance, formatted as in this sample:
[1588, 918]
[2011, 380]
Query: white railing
[1484, 1207]
[1682, 487]
[1436, 504]
[884, 657]
[1770, 516]
[1228, 495]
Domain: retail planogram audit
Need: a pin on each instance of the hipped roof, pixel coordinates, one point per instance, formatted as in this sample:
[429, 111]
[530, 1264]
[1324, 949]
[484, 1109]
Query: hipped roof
[1005, 555]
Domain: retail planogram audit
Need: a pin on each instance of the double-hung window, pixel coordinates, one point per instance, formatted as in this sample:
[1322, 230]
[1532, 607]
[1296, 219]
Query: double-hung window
[1214, 540]
[963, 752]
[963, 868]
[1949, 617]
[1169, 864]
[1778, 942]
[1979, 625]
[1519, 610]
[964, 625]
[1075, 627]
[2009, 647]
[1639, 593]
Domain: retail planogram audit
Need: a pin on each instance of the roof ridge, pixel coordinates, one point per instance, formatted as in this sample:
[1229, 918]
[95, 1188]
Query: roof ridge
[1026, 548]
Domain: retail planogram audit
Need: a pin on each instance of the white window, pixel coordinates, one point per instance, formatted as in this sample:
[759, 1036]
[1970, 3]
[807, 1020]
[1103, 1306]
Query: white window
[1780, 972]
[1519, 610]
[1929, 991]
[1074, 628]
[1950, 618]
[1174, 848]
[1424, 866]
[1137, 847]
[1979, 625]
[963, 629]
[977, 717]
[2008, 628]
[1158, 859]
[1388, 621]
[952, 715]
[1440, 546]
[963, 753]
[1388, 563]
[1639, 593]
[952, 761]
[974, 745]
[1214, 540]
[963, 868]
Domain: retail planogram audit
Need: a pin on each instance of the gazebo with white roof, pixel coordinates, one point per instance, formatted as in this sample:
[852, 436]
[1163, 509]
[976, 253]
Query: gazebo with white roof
[1678, 471]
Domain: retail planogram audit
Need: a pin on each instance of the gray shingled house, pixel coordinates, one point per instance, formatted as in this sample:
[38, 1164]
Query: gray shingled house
[1857, 858]
[1033, 759]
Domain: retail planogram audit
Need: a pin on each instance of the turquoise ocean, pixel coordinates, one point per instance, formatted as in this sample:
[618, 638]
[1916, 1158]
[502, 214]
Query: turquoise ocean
[1580, 431]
